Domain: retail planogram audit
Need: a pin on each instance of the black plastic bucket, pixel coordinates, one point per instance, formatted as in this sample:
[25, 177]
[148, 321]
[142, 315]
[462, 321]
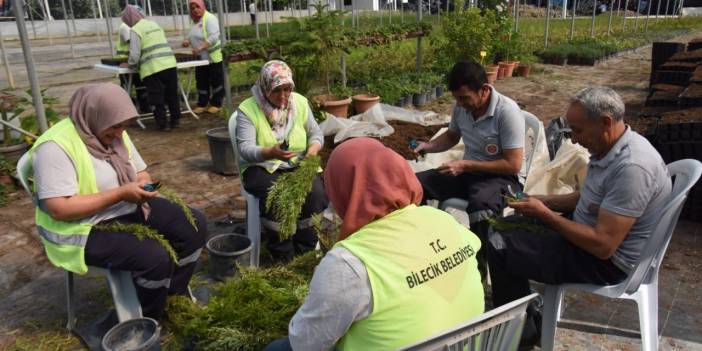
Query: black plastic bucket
[221, 151]
[225, 251]
[139, 334]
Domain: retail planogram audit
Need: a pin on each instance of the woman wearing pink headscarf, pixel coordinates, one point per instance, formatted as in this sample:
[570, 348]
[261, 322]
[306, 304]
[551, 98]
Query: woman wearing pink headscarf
[274, 129]
[204, 41]
[87, 172]
[400, 272]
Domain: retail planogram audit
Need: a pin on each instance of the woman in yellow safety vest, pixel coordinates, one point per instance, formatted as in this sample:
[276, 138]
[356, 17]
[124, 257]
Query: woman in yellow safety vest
[88, 176]
[204, 41]
[150, 52]
[401, 272]
[274, 129]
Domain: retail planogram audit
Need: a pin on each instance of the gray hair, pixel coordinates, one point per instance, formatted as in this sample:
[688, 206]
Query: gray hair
[600, 100]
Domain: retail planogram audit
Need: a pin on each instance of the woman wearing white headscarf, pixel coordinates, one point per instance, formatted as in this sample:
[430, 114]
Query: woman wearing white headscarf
[275, 128]
[88, 172]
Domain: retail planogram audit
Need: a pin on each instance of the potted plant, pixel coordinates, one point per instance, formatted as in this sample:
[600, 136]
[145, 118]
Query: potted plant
[18, 109]
[363, 102]
[525, 63]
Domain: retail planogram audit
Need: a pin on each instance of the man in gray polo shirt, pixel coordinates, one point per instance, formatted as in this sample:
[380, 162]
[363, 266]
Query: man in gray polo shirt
[492, 128]
[626, 187]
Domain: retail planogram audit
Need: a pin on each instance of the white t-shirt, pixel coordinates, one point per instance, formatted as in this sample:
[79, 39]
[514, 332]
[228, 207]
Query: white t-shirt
[55, 176]
[252, 8]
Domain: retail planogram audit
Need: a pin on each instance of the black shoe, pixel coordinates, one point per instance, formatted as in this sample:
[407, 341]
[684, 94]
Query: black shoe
[175, 124]
[531, 334]
[164, 127]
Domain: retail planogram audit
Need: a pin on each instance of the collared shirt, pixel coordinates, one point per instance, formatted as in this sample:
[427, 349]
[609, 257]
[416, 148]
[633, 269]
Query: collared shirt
[630, 180]
[502, 127]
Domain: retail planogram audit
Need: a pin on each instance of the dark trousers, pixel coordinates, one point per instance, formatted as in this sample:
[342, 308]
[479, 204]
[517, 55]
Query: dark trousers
[142, 98]
[162, 88]
[155, 274]
[257, 181]
[253, 18]
[483, 192]
[279, 345]
[517, 256]
[208, 78]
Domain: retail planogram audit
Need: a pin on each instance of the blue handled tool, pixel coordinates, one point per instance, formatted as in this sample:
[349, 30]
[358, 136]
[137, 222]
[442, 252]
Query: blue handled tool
[152, 186]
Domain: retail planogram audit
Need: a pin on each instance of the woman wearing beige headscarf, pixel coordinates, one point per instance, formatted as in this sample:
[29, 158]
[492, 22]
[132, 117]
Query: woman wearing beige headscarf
[275, 128]
[88, 172]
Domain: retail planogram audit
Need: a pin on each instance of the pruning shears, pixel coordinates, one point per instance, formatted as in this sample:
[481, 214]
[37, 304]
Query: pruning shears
[152, 186]
[413, 144]
[518, 196]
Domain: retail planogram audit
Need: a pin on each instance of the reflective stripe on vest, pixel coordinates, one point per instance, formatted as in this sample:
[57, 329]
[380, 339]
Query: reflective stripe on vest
[156, 54]
[64, 241]
[297, 138]
[215, 49]
[423, 275]
[122, 47]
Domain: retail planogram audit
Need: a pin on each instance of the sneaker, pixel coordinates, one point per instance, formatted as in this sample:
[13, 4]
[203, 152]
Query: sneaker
[213, 109]
[199, 110]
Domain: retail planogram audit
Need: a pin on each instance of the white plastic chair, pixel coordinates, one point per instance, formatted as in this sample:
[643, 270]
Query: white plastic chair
[499, 329]
[120, 282]
[642, 284]
[532, 124]
[253, 215]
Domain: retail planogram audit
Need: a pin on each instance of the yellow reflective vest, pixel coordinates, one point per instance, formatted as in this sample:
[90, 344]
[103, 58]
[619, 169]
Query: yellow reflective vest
[423, 274]
[156, 54]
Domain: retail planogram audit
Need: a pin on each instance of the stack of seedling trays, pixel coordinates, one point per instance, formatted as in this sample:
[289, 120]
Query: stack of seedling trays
[183, 57]
[113, 61]
[672, 118]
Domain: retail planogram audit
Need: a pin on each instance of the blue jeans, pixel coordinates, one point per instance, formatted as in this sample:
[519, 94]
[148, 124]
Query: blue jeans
[279, 345]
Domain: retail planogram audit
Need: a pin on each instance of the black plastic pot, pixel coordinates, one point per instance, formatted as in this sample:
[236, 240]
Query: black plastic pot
[221, 151]
[226, 250]
[419, 99]
[408, 100]
[439, 90]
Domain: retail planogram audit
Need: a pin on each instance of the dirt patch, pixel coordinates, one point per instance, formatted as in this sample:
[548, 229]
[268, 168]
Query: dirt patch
[693, 91]
[397, 141]
[682, 116]
[697, 74]
[679, 66]
[668, 87]
[693, 56]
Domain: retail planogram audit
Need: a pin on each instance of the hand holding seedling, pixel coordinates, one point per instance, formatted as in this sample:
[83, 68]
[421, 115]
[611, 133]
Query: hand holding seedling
[419, 147]
[530, 207]
[278, 153]
[452, 168]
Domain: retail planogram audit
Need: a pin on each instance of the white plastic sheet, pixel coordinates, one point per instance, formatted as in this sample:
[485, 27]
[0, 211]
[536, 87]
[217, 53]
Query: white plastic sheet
[564, 175]
[425, 118]
[370, 123]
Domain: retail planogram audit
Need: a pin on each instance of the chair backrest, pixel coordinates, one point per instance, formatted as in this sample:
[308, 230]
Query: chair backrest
[499, 329]
[24, 169]
[232, 137]
[531, 140]
[685, 174]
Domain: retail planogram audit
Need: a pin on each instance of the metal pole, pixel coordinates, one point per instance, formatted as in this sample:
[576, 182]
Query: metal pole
[31, 18]
[148, 4]
[97, 23]
[226, 19]
[266, 13]
[658, 10]
[572, 21]
[47, 16]
[565, 8]
[270, 8]
[343, 69]
[419, 39]
[99, 8]
[182, 15]
[626, 6]
[636, 20]
[68, 28]
[108, 20]
[73, 16]
[667, 3]
[223, 40]
[516, 17]
[258, 19]
[5, 62]
[648, 15]
[175, 19]
[548, 20]
[611, 13]
[29, 61]
[592, 26]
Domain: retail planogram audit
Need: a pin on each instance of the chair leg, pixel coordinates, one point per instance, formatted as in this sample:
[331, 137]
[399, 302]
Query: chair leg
[553, 298]
[70, 306]
[253, 229]
[124, 295]
[647, 301]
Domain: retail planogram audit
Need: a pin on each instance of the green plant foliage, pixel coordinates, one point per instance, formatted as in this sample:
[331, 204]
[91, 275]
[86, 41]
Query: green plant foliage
[171, 196]
[141, 232]
[288, 193]
[245, 313]
[467, 33]
[327, 231]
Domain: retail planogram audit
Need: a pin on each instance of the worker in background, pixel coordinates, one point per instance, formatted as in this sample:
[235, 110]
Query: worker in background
[204, 41]
[149, 51]
[122, 52]
[252, 12]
